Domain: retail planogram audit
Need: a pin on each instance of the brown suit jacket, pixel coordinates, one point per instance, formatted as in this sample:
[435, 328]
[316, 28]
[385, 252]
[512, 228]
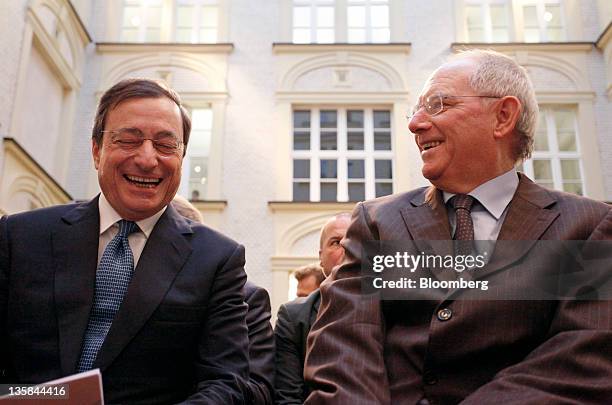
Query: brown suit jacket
[364, 350]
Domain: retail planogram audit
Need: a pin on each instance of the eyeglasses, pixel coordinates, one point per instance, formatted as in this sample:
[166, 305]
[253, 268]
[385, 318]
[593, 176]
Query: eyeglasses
[434, 104]
[130, 139]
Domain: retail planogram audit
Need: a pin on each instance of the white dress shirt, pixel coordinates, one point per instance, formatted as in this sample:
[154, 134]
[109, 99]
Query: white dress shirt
[109, 228]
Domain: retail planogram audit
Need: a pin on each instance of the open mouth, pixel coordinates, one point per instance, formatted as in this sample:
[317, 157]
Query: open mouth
[430, 145]
[143, 181]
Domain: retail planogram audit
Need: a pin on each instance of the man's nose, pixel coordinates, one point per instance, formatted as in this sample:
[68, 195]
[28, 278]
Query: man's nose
[146, 155]
[419, 121]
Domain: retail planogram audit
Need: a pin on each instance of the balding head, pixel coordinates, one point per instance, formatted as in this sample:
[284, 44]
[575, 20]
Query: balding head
[331, 252]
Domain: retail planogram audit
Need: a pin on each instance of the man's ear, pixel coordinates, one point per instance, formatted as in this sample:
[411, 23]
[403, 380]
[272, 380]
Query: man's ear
[506, 116]
[95, 152]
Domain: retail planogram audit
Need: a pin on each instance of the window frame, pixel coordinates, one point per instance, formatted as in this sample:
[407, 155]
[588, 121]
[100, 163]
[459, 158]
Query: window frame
[553, 154]
[485, 15]
[342, 154]
[341, 24]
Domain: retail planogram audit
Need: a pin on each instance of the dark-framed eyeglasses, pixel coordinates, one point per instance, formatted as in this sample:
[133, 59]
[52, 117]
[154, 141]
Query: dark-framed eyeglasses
[130, 139]
[434, 104]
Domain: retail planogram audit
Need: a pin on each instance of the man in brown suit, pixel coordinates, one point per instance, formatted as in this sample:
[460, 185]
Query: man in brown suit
[474, 121]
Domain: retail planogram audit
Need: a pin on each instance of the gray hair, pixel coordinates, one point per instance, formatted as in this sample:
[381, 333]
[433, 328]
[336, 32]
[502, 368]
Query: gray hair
[499, 75]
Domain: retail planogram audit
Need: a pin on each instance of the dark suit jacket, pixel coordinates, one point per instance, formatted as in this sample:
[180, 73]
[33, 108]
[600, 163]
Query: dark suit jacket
[366, 351]
[261, 345]
[180, 333]
[292, 326]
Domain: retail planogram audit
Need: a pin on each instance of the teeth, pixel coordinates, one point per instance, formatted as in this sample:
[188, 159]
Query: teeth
[430, 145]
[148, 181]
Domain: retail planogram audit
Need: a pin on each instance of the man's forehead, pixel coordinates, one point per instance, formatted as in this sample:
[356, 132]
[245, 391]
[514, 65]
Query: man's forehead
[455, 73]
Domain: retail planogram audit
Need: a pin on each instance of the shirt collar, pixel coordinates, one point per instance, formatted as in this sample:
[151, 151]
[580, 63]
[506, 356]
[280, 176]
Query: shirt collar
[108, 217]
[495, 194]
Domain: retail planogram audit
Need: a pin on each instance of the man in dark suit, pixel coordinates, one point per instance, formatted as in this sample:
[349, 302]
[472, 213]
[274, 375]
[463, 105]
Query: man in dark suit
[261, 337]
[296, 317]
[123, 283]
[474, 121]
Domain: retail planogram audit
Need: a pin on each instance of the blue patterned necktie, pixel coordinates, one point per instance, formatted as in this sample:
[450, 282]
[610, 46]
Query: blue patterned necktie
[464, 231]
[112, 280]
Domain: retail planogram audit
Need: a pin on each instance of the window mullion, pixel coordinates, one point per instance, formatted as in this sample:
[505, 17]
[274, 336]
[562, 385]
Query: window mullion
[315, 165]
[342, 134]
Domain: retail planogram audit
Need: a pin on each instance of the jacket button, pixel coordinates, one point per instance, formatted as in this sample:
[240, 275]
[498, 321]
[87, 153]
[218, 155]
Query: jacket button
[445, 314]
[430, 378]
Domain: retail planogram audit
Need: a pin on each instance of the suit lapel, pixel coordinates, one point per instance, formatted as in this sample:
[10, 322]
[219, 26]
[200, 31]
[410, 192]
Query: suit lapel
[163, 257]
[75, 252]
[428, 222]
[529, 216]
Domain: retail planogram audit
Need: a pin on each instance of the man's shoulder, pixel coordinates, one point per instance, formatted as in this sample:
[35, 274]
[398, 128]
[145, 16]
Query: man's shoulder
[563, 201]
[301, 306]
[396, 201]
[46, 215]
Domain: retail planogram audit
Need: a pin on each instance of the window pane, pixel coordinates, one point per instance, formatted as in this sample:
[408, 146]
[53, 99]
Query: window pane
[356, 35]
[498, 15]
[209, 17]
[379, 16]
[198, 173]
[208, 35]
[383, 189]
[329, 191]
[382, 119]
[474, 24]
[301, 35]
[354, 119]
[500, 35]
[382, 141]
[356, 169]
[153, 17]
[329, 140]
[129, 35]
[476, 35]
[329, 169]
[532, 35]
[381, 35]
[566, 137]
[301, 17]
[530, 16]
[542, 170]
[354, 141]
[301, 119]
[301, 191]
[575, 188]
[356, 16]
[183, 16]
[131, 17]
[356, 191]
[301, 168]
[328, 119]
[152, 35]
[541, 137]
[301, 140]
[570, 169]
[325, 16]
[382, 169]
[552, 15]
[555, 34]
[325, 35]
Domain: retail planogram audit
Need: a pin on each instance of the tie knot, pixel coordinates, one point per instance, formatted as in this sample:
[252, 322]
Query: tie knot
[463, 201]
[126, 228]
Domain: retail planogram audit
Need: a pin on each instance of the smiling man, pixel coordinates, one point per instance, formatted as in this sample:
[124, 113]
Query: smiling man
[124, 283]
[473, 123]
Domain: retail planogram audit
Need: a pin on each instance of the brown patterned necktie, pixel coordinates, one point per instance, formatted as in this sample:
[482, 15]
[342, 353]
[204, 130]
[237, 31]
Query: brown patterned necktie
[464, 231]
